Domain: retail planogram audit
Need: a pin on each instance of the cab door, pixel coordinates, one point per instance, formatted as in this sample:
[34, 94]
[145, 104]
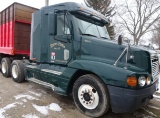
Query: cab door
[60, 43]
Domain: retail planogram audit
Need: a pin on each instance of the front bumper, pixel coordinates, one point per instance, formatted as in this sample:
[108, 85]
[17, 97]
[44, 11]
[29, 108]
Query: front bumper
[126, 100]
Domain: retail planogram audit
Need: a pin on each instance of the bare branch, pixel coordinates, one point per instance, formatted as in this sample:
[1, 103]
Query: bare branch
[139, 19]
[126, 24]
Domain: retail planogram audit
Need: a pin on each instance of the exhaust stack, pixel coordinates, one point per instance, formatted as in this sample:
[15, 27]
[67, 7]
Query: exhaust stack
[46, 2]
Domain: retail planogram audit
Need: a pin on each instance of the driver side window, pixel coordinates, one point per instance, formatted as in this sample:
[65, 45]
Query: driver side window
[62, 25]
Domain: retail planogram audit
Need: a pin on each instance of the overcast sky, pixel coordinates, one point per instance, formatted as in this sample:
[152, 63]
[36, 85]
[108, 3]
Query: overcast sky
[33, 3]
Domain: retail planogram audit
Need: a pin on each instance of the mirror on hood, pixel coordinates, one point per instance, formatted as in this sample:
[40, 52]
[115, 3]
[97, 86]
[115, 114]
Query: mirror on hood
[120, 40]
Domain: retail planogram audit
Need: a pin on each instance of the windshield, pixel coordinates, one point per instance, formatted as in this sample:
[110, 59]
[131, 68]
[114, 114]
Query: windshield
[90, 27]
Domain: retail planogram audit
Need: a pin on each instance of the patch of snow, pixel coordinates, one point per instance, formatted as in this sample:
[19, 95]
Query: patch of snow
[148, 117]
[141, 115]
[36, 94]
[29, 116]
[156, 96]
[154, 107]
[29, 97]
[30, 86]
[2, 91]
[55, 107]
[24, 100]
[2, 113]
[41, 109]
[42, 91]
[16, 85]
[9, 106]
[149, 112]
[20, 103]
[44, 109]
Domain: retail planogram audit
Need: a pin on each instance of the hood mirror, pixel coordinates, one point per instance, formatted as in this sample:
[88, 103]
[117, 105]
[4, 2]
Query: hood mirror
[120, 40]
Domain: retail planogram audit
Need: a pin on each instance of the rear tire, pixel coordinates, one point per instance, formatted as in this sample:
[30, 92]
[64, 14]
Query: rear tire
[18, 71]
[6, 67]
[91, 96]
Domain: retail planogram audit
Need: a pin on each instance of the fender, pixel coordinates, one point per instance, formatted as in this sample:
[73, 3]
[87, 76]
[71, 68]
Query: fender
[110, 74]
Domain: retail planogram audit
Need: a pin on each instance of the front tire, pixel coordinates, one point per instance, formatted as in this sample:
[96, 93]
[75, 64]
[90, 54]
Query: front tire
[91, 95]
[6, 67]
[18, 71]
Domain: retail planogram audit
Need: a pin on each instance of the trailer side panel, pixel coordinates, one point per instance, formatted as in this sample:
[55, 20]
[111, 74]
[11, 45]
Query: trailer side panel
[15, 28]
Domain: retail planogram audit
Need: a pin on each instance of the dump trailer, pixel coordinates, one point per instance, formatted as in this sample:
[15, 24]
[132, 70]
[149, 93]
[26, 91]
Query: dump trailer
[72, 53]
[15, 28]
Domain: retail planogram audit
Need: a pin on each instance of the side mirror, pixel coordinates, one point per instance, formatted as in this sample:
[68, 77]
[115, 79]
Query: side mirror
[120, 40]
[52, 23]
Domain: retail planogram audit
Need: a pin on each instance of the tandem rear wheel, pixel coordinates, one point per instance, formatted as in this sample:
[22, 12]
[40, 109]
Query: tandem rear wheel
[6, 67]
[17, 70]
[91, 95]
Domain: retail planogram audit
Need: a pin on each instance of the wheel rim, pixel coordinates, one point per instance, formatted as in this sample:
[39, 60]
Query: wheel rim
[4, 67]
[14, 71]
[88, 96]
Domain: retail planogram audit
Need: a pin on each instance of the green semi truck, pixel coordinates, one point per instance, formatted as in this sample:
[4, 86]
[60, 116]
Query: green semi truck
[71, 53]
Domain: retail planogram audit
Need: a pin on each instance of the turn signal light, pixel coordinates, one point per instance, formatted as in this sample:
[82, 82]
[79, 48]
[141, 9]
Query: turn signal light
[132, 81]
[148, 81]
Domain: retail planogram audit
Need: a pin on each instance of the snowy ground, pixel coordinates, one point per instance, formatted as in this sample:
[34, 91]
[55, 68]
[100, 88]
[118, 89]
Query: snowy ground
[29, 100]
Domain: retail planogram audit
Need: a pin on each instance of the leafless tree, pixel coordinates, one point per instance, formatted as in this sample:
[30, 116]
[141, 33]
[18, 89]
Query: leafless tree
[156, 34]
[138, 17]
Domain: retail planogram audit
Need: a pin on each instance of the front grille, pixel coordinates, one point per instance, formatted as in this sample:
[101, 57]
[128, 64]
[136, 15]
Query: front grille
[155, 66]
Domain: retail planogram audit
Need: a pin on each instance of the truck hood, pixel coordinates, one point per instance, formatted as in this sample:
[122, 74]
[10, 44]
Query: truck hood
[106, 51]
[145, 49]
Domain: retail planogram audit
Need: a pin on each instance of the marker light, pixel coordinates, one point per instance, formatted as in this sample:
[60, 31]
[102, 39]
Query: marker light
[132, 81]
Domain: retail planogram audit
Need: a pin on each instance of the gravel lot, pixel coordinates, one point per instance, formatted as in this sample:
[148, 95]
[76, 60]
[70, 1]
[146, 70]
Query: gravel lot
[29, 100]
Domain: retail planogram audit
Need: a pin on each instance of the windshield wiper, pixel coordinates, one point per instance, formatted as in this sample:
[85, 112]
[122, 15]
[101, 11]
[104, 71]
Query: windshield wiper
[88, 35]
[104, 37]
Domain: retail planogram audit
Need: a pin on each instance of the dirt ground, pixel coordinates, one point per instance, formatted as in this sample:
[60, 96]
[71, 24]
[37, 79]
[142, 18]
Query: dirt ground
[29, 100]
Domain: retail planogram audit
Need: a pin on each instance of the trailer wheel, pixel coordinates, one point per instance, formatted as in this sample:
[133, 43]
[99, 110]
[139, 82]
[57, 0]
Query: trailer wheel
[6, 67]
[18, 71]
[91, 95]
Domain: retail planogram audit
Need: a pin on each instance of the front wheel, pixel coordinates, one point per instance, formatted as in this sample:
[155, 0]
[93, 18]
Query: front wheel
[17, 71]
[91, 95]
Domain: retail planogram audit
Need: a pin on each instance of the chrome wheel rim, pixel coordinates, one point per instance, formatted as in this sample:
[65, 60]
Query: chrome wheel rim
[88, 96]
[14, 71]
[4, 67]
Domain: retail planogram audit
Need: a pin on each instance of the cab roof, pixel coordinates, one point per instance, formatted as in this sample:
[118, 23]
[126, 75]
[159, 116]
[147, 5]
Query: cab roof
[72, 6]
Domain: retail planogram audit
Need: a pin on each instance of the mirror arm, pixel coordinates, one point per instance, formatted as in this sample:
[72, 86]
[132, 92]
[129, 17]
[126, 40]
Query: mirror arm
[124, 51]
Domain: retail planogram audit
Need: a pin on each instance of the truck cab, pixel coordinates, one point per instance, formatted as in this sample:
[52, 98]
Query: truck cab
[72, 53]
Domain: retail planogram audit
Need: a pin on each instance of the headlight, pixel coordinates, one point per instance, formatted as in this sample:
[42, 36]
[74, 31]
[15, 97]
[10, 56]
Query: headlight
[141, 81]
[148, 81]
